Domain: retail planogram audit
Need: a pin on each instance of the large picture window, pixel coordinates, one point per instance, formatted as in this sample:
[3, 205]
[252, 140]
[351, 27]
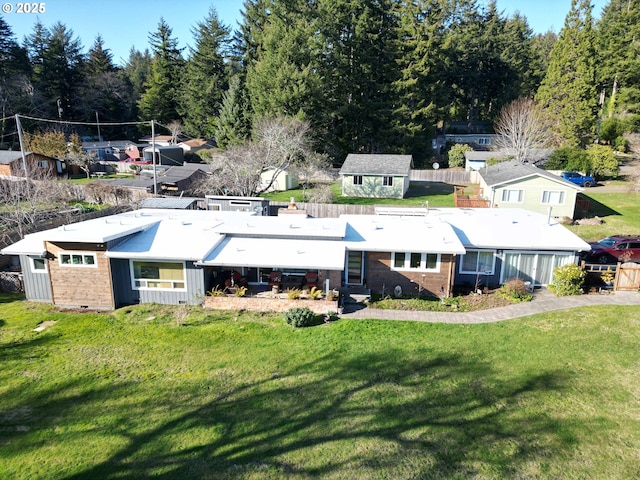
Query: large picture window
[476, 261]
[158, 275]
[73, 259]
[428, 262]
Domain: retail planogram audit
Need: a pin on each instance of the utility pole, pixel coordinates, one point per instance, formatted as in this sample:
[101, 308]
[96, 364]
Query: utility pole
[24, 157]
[153, 158]
[98, 123]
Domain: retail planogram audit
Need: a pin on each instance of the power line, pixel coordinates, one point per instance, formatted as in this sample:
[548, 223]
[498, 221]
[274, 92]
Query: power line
[93, 124]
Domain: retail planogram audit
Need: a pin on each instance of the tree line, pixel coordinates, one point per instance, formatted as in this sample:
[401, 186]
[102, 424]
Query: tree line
[378, 76]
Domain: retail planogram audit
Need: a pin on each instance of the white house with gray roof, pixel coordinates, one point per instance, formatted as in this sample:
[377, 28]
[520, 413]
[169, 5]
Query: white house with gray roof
[376, 175]
[513, 184]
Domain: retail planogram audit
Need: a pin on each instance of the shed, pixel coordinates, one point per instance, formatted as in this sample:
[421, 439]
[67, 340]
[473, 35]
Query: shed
[376, 175]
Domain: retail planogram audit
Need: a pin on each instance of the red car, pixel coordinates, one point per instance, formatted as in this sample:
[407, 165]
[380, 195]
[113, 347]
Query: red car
[617, 248]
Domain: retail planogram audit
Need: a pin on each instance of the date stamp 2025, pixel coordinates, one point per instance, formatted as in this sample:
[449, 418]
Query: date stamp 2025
[24, 7]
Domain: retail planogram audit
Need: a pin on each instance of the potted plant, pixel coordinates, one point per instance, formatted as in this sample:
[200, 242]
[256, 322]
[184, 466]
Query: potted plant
[607, 277]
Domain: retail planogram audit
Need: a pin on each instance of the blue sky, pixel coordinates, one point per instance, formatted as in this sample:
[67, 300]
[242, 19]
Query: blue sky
[126, 23]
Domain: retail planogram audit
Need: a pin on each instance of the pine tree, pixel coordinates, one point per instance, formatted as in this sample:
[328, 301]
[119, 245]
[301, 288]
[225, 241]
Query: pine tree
[568, 90]
[206, 77]
[160, 99]
[618, 33]
[99, 59]
[232, 126]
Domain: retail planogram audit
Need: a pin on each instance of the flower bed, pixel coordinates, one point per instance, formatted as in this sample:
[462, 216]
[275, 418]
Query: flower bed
[279, 303]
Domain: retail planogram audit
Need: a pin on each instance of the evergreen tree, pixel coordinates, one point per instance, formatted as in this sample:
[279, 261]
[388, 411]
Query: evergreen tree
[357, 65]
[619, 56]
[137, 70]
[232, 126]
[568, 90]
[421, 93]
[160, 98]
[281, 81]
[62, 72]
[206, 77]
[99, 59]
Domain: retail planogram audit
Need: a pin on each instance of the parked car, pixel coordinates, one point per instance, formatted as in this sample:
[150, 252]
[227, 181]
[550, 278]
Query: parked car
[579, 179]
[616, 248]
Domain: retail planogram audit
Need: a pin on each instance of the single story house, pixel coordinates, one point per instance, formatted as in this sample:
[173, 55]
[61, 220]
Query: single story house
[176, 256]
[39, 166]
[376, 175]
[230, 203]
[513, 184]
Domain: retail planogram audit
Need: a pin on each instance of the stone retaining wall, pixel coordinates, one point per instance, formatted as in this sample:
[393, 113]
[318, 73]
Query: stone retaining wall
[266, 304]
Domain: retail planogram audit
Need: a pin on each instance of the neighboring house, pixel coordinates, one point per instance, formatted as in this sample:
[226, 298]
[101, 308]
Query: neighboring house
[376, 175]
[513, 184]
[177, 203]
[279, 179]
[475, 160]
[478, 141]
[111, 151]
[176, 256]
[39, 166]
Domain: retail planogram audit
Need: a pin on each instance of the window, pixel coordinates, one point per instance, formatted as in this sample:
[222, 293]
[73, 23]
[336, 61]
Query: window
[38, 265]
[553, 197]
[77, 259]
[476, 261]
[387, 181]
[158, 275]
[415, 261]
[483, 141]
[357, 179]
[43, 164]
[512, 196]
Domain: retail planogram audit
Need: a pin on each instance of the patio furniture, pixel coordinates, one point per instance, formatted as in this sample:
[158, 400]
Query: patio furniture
[311, 280]
[275, 278]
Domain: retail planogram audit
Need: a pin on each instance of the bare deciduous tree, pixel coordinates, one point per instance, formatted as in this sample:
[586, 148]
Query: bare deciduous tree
[522, 127]
[277, 145]
[175, 128]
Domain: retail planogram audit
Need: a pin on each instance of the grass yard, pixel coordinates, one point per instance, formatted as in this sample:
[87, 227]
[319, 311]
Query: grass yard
[620, 212]
[179, 393]
[437, 194]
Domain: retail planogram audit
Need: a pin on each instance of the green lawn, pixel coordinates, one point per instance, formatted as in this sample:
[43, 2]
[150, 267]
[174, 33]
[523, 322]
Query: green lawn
[437, 194]
[620, 212]
[144, 392]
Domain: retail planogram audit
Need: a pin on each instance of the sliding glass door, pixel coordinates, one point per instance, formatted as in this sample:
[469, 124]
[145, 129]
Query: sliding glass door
[536, 268]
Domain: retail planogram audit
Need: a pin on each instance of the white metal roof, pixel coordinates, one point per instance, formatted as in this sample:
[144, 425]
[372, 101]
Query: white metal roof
[284, 226]
[508, 228]
[31, 244]
[169, 239]
[278, 253]
[386, 233]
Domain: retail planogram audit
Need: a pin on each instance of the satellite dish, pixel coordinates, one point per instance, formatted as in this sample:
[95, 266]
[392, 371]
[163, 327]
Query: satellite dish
[397, 291]
[436, 165]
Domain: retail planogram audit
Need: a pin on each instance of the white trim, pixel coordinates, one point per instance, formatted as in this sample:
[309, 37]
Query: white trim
[154, 289]
[38, 270]
[407, 262]
[387, 181]
[520, 195]
[71, 254]
[550, 193]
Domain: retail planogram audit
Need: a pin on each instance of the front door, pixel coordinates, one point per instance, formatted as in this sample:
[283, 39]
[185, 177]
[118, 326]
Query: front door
[355, 266]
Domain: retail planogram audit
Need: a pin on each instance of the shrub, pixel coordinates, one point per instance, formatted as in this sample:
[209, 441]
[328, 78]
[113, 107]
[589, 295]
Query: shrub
[620, 144]
[456, 154]
[567, 280]
[294, 293]
[315, 293]
[299, 317]
[515, 290]
[241, 291]
[216, 292]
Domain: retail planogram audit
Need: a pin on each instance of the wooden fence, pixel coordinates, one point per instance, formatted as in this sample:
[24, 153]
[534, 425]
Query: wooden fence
[626, 276]
[324, 210]
[450, 176]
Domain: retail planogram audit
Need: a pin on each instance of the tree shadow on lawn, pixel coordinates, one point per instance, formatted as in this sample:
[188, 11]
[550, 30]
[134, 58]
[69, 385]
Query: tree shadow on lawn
[423, 189]
[383, 413]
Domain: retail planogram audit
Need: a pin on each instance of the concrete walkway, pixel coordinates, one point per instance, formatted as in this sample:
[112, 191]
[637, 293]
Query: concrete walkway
[544, 301]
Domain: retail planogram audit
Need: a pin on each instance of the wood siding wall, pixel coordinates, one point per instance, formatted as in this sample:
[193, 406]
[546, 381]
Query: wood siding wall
[381, 279]
[80, 286]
